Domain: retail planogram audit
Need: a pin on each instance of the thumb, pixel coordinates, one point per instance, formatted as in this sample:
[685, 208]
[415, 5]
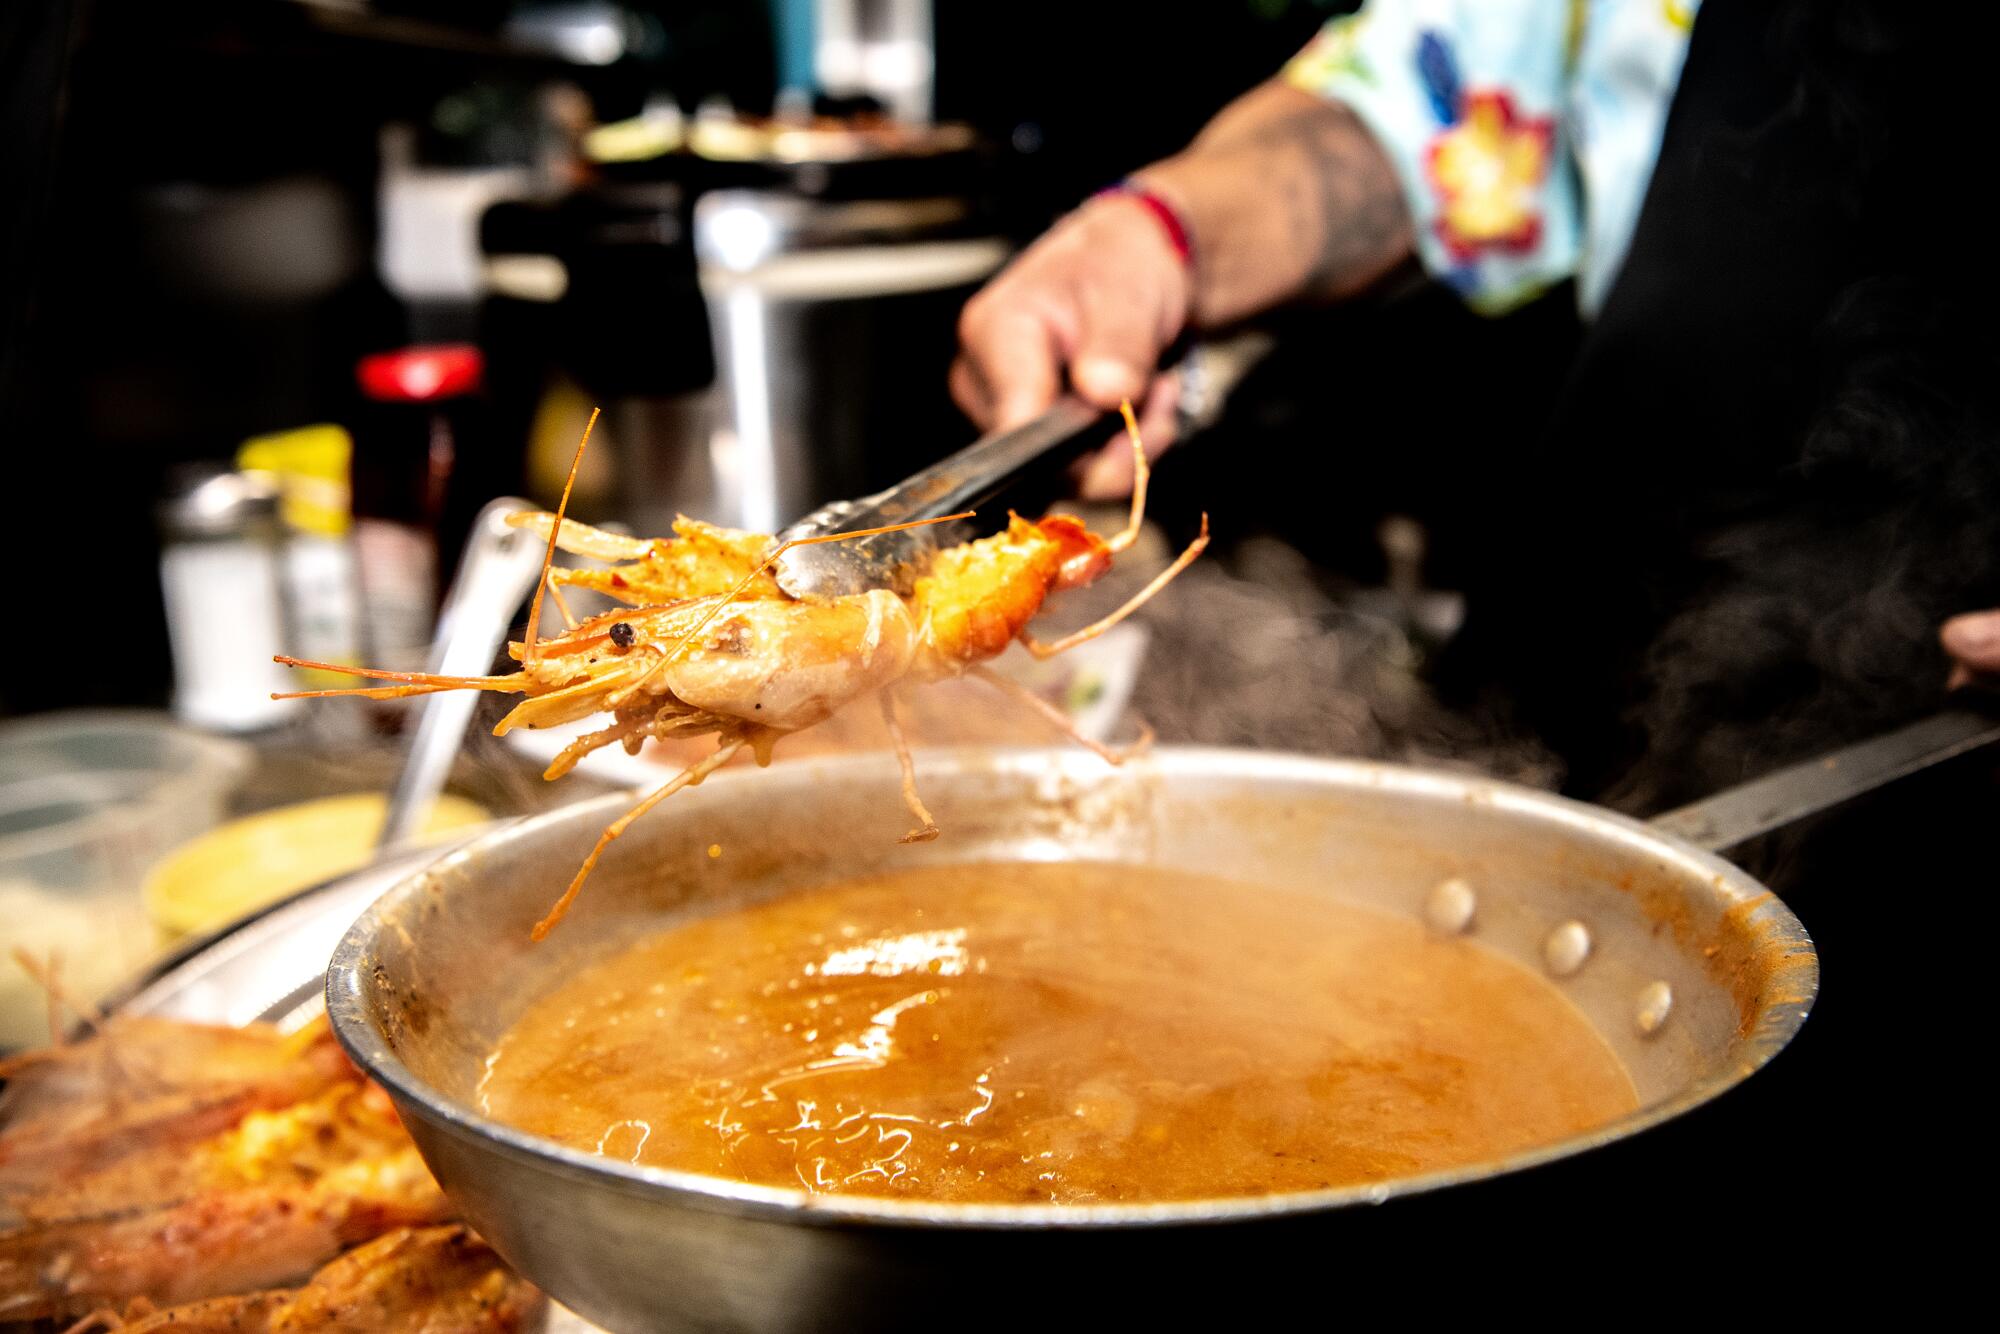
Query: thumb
[1974, 639]
[1117, 347]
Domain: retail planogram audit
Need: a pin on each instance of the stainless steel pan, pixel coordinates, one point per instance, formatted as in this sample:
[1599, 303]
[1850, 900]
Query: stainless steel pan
[1693, 972]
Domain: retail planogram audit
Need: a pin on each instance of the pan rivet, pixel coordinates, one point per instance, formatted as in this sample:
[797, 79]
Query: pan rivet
[1449, 906]
[1566, 948]
[1656, 1001]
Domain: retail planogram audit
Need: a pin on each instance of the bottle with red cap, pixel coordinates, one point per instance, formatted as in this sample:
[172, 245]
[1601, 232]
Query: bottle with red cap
[406, 450]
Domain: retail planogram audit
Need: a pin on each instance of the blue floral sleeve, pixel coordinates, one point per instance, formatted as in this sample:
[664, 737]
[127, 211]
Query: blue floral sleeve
[1504, 119]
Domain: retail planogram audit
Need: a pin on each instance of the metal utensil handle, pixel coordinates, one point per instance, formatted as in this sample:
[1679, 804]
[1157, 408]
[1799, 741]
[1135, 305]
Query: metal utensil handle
[1777, 799]
[498, 569]
[974, 474]
[1209, 371]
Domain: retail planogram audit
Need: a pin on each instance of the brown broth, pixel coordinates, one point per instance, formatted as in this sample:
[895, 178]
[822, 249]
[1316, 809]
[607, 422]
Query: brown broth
[1074, 1033]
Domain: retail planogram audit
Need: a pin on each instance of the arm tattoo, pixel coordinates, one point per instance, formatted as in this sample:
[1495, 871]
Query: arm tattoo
[1340, 190]
[1350, 190]
[1334, 209]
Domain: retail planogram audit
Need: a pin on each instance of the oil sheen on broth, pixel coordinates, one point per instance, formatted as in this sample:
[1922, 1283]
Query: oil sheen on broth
[1072, 1033]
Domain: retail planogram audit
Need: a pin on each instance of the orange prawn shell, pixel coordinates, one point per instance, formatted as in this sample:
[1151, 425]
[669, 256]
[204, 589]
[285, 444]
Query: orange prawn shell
[979, 595]
[1084, 556]
[701, 560]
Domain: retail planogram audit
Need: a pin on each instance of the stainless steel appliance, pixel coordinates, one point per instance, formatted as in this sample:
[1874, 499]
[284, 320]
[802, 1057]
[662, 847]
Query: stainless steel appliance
[767, 321]
[821, 312]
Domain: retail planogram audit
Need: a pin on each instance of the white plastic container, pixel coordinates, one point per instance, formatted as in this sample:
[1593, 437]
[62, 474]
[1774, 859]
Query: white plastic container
[88, 802]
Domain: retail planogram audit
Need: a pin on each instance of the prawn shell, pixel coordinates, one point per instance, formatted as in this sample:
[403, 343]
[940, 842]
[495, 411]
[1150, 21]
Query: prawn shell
[700, 560]
[1082, 556]
[788, 665]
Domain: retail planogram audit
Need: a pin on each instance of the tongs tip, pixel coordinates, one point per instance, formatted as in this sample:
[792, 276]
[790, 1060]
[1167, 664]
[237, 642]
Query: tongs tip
[813, 563]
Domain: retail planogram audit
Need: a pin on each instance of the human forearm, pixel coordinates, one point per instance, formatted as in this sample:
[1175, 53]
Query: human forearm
[1288, 198]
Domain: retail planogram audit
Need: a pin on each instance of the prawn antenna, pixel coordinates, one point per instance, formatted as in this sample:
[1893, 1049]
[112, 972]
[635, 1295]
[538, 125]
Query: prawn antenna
[668, 654]
[555, 531]
[48, 977]
[414, 683]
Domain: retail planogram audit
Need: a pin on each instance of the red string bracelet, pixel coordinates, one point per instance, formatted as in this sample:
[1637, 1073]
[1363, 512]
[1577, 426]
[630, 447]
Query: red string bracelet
[1165, 213]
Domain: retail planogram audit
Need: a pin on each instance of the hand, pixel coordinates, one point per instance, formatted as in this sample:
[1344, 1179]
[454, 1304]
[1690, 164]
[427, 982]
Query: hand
[1973, 640]
[1094, 302]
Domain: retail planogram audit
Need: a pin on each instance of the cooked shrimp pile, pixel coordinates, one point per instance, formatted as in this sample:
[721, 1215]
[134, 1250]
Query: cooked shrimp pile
[432, 1280]
[162, 1173]
[706, 641]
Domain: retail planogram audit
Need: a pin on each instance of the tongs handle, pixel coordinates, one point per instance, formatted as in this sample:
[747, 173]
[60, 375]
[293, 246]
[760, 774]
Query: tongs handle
[982, 470]
[955, 483]
[987, 466]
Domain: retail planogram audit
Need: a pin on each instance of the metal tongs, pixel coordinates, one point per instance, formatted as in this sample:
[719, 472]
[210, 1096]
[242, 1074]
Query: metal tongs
[501, 562]
[976, 474]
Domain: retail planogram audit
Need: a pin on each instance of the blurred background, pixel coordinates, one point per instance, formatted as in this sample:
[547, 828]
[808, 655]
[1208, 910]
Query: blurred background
[293, 288]
[220, 208]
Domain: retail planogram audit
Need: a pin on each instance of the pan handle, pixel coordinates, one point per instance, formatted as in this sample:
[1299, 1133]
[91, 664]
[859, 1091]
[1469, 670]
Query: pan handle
[1740, 813]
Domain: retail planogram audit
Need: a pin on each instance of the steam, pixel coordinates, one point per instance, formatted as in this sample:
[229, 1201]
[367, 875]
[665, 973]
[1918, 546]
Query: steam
[1250, 648]
[1818, 621]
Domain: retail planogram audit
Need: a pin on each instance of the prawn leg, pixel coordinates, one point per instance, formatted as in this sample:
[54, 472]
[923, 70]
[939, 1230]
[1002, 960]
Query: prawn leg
[1137, 600]
[1060, 720]
[1142, 473]
[687, 777]
[568, 757]
[927, 829]
[562, 604]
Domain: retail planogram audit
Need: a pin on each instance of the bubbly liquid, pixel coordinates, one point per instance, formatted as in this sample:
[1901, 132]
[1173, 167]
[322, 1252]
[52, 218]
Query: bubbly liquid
[1073, 1033]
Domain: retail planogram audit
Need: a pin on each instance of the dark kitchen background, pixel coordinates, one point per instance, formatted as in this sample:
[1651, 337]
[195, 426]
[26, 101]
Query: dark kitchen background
[217, 209]
[391, 252]
[292, 289]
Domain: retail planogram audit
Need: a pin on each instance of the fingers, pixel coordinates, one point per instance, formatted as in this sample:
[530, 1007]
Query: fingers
[1118, 346]
[1009, 365]
[1091, 304]
[970, 391]
[1973, 640]
[1107, 474]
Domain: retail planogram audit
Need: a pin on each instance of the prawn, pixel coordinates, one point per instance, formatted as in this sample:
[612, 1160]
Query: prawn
[708, 642]
[141, 1085]
[440, 1280]
[164, 1161]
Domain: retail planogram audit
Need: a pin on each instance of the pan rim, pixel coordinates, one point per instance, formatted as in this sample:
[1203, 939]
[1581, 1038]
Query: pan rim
[1776, 1022]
